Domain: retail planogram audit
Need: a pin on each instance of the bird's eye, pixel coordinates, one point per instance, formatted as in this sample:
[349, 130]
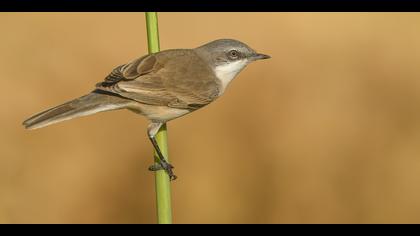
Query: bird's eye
[233, 54]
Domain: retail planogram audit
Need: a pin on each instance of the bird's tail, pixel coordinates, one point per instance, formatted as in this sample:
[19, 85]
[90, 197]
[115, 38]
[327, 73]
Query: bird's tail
[92, 103]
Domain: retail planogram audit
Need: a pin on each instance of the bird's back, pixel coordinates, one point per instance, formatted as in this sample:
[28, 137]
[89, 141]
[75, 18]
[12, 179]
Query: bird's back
[175, 78]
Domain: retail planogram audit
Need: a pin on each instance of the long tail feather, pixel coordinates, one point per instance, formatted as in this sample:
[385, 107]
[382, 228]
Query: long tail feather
[86, 105]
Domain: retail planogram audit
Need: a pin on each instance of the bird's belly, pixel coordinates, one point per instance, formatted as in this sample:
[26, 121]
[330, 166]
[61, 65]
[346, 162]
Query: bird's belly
[158, 113]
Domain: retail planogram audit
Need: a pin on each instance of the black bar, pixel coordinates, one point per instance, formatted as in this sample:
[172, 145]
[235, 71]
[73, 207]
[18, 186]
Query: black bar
[211, 5]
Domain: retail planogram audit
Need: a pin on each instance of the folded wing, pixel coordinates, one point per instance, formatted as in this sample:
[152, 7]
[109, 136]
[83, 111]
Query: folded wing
[160, 79]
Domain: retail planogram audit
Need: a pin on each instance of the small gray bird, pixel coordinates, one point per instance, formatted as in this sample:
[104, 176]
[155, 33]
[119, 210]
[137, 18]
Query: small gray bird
[160, 86]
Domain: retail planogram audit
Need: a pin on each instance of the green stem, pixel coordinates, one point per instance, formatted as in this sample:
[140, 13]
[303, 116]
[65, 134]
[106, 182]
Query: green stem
[163, 187]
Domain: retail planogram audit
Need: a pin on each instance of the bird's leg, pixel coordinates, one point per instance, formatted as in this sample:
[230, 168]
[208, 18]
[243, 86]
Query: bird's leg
[162, 164]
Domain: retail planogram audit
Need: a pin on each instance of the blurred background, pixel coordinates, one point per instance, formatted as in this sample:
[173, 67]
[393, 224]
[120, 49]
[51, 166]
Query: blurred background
[327, 131]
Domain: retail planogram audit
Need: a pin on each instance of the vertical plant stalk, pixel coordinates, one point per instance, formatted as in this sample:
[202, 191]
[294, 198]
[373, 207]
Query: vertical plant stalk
[162, 183]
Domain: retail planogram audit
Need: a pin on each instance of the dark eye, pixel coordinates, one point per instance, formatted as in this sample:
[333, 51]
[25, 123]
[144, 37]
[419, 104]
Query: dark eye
[233, 54]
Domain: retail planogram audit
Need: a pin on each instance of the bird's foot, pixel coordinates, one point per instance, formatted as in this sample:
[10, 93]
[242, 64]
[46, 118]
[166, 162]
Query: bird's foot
[163, 165]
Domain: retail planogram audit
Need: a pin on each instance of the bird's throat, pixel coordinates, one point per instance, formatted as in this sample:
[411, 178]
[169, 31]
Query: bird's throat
[226, 73]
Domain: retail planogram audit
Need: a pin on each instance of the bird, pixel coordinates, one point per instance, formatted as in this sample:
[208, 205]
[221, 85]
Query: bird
[160, 86]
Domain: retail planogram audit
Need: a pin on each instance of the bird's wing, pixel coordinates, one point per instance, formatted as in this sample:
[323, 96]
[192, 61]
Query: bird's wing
[159, 79]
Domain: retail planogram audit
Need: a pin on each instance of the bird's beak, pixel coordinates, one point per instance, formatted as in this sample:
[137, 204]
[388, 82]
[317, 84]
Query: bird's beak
[259, 56]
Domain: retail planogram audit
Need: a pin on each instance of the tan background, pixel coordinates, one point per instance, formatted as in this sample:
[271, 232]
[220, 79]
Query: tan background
[327, 131]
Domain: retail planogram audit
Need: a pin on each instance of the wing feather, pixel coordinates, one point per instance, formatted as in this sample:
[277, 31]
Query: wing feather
[159, 79]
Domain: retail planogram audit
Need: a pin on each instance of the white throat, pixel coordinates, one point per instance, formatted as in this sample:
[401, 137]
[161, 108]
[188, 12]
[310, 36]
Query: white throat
[226, 73]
